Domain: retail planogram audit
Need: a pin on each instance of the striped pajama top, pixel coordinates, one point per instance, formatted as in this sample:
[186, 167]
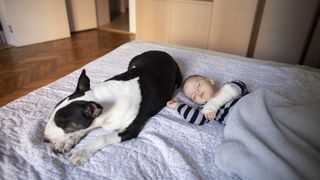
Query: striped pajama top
[195, 116]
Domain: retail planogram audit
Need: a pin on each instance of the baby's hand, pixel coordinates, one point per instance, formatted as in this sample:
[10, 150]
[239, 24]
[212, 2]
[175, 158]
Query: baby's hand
[210, 107]
[210, 115]
[173, 103]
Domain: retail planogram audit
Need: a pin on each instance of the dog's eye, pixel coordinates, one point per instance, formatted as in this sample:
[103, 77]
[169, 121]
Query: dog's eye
[88, 112]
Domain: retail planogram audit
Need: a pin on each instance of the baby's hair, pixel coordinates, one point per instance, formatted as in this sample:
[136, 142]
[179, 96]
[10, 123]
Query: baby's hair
[189, 77]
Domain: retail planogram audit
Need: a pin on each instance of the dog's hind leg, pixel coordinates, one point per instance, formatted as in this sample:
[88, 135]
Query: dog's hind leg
[89, 150]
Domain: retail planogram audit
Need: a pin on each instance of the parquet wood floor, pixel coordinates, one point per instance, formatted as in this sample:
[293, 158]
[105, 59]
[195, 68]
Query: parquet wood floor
[23, 69]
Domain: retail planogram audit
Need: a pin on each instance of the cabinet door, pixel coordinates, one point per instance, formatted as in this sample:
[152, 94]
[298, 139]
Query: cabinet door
[153, 20]
[190, 23]
[284, 28]
[231, 26]
[313, 54]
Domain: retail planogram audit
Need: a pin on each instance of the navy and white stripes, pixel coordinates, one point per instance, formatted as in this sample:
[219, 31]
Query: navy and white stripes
[192, 115]
[195, 116]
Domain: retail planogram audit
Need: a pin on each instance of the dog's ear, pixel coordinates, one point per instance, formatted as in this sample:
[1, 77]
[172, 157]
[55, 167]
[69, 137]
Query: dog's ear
[93, 109]
[83, 82]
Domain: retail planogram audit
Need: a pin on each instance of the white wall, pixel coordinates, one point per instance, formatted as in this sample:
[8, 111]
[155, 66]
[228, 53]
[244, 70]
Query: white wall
[103, 12]
[82, 14]
[124, 4]
[34, 21]
[5, 24]
[132, 16]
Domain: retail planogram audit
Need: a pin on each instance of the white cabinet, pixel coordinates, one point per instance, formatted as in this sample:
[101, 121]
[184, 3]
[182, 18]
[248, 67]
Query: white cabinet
[221, 25]
[181, 22]
[33, 21]
[264, 29]
[231, 25]
[153, 20]
[190, 23]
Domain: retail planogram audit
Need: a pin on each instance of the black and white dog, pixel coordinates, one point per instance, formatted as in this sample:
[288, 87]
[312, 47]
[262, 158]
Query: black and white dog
[122, 105]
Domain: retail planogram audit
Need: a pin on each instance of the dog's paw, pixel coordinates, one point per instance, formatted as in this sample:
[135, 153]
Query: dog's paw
[65, 145]
[80, 157]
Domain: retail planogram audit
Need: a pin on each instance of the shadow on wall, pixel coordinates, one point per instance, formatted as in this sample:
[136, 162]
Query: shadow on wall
[2, 38]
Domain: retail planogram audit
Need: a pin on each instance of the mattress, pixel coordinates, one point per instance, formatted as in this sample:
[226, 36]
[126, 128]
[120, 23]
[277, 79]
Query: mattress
[167, 147]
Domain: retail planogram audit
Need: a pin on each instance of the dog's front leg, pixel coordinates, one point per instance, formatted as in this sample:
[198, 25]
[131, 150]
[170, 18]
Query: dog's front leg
[80, 157]
[70, 140]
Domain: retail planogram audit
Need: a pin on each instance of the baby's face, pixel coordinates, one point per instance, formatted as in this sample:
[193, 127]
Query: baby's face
[199, 89]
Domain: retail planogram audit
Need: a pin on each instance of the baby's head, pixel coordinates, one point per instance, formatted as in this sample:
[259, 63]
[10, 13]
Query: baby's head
[198, 88]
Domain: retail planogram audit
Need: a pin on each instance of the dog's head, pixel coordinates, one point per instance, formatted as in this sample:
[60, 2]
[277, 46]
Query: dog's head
[73, 113]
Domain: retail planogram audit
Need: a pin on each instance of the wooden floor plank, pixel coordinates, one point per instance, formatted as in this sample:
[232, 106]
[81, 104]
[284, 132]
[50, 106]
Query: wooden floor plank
[24, 69]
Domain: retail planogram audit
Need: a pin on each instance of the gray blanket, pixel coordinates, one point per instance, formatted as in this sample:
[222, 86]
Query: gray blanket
[167, 148]
[270, 137]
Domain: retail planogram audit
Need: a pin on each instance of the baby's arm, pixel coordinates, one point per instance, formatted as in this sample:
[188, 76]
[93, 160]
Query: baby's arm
[173, 103]
[192, 115]
[225, 94]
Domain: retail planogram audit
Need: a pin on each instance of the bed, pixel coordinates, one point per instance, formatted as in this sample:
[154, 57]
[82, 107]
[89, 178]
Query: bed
[272, 133]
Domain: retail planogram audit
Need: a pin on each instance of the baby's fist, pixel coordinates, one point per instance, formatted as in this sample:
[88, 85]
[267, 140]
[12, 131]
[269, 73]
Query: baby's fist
[173, 103]
[210, 115]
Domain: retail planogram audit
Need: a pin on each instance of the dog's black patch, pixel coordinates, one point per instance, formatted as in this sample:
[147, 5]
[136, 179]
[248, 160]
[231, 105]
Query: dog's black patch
[158, 75]
[77, 115]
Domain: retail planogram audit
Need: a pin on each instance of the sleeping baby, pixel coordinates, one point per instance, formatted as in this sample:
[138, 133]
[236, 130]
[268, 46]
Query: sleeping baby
[213, 104]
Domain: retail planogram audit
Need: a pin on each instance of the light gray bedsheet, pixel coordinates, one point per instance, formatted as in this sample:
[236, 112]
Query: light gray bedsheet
[167, 148]
[270, 137]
